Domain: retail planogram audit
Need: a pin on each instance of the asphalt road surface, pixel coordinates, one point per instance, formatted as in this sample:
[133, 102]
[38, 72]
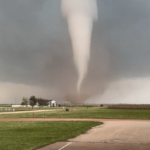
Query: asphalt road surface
[95, 146]
[112, 135]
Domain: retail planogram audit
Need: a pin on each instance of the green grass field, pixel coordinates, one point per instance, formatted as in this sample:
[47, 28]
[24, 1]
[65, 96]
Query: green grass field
[5, 105]
[6, 109]
[97, 112]
[35, 108]
[33, 135]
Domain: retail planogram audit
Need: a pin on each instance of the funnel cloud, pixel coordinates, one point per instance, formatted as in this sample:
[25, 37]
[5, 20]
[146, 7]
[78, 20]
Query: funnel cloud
[80, 15]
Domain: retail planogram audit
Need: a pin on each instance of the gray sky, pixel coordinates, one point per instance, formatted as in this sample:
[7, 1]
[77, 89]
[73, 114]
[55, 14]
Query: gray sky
[36, 52]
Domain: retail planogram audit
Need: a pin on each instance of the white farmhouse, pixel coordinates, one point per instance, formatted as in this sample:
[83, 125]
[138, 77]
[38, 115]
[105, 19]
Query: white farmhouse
[52, 103]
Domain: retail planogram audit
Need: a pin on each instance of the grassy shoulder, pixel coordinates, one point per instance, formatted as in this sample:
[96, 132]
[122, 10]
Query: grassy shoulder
[33, 135]
[95, 112]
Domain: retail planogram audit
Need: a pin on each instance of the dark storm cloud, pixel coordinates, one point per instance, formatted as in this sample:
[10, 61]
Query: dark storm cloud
[126, 25]
[19, 36]
[35, 47]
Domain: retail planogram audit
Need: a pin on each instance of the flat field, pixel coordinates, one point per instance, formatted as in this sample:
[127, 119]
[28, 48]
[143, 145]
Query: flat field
[5, 105]
[35, 108]
[33, 135]
[94, 112]
[6, 109]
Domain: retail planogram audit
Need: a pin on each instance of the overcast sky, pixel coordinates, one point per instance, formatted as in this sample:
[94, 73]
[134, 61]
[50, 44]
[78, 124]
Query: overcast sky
[36, 56]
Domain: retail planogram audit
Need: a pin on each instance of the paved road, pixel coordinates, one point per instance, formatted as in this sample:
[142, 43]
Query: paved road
[95, 146]
[112, 135]
[118, 132]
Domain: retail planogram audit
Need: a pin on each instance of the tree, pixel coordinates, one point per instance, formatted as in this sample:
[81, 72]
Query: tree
[42, 102]
[33, 101]
[25, 101]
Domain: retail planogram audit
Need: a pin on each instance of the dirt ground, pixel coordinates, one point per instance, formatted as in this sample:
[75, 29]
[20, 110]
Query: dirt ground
[72, 119]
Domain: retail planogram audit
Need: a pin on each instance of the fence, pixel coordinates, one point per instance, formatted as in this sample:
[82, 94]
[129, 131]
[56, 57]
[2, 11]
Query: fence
[5, 109]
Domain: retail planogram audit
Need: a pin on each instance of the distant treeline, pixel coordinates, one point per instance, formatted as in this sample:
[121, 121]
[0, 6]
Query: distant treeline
[129, 106]
[79, 105]
[110, 106]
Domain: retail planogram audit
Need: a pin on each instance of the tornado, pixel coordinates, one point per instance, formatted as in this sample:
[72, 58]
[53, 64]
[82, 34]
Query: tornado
[80, 15]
